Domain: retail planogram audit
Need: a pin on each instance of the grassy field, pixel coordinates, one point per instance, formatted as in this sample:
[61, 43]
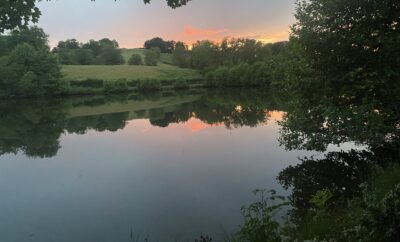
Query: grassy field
[160, 72]
[164, 57]
[127, 53]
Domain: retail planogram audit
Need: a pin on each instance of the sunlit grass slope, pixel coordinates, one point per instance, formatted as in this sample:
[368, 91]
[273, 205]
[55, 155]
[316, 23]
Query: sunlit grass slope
[102, 72]
[160, 72]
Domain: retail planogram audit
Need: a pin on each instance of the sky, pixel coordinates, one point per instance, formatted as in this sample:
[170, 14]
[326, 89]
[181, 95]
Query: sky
[131, 22]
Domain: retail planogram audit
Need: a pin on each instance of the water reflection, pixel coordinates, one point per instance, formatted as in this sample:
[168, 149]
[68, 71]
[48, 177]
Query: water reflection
[35, 127]
[171, 166]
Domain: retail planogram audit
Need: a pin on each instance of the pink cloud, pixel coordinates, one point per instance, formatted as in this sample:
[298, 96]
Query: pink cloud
[190, 31]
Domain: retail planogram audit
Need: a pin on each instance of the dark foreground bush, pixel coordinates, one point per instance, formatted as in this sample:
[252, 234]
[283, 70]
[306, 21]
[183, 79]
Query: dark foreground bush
[381, 220]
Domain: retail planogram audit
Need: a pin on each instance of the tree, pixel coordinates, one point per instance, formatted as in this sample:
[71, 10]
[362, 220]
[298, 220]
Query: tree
[29, 72]
[136, 59]
[351, 41]
[204, 55]
[181, 55]
[102, 52]
[150, 58]
[20, 13]
[110, 56]
[164, 46]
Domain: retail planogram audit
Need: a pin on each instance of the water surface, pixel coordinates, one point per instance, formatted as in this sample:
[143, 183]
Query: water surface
[169, 166]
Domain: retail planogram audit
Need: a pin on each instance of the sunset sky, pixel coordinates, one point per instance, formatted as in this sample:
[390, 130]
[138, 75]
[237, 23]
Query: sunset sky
[131, 22]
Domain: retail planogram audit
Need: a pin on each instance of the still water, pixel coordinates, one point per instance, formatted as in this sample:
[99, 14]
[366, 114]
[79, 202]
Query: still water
[169, 167]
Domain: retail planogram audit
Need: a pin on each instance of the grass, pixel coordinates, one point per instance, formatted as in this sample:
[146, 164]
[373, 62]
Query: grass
[160, 72]
[127, 53]
[167, 58]
[132, 106]
[164, 57]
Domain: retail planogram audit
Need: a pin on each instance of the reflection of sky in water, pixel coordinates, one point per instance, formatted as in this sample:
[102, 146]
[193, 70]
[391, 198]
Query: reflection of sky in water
[170, 183]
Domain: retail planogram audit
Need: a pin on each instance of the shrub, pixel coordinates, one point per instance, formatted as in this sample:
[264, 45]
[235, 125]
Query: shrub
[149, 85]
[117, 86]
[133, 83]
[156, 50]
[181, 83]
[259, 225]
[94, 83]
[209, 79]
[29, 72]
[222, 76]
[150, 58]
[382, 219]
[136, 59]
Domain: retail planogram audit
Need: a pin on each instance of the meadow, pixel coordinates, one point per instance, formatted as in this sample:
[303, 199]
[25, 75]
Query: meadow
[108, 73]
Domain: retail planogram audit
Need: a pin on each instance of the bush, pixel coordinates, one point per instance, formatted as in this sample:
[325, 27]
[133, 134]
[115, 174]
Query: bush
[30, 72]
[117, 86]
[182, 56]
[157, 51]
[149, 85]
[150, 58]
[136, 60]
[110, 56]
[209, 79]
[257, 74]
[259, 225]
[94, 83]
[382, 219]
[181, 84]
[133, 83]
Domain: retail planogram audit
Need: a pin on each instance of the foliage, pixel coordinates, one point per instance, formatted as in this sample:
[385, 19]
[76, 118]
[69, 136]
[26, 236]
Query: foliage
[256, 74]
[15, 14]
[203, 55]
[182, 56]
[136, 60]
[164, 46]
[157, 51]
[181, 84]
[102, 52]
[149, 85]
[150, 58]
[321, 199]
[340, 173]
[259, 225]
[29, 69]
[94, 83]
[381, 218]
[118, 86]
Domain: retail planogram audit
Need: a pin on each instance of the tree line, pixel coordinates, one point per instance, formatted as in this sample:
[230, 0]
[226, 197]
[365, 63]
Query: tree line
[102, 52]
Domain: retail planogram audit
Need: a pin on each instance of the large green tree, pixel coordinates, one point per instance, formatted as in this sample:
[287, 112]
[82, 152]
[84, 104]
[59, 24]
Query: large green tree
[19, 13]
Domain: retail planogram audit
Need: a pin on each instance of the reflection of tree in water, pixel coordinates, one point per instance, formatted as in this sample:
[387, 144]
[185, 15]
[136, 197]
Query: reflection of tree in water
[233, 108]
[105, 122]
[35, 127]
[339, 172]
[316, 119]
[32, 127]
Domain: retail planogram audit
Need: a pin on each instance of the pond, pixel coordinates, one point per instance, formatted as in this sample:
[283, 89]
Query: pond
[167, 167]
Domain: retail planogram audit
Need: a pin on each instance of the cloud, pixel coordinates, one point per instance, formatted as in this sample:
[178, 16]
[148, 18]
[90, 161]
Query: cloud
[192, 31]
